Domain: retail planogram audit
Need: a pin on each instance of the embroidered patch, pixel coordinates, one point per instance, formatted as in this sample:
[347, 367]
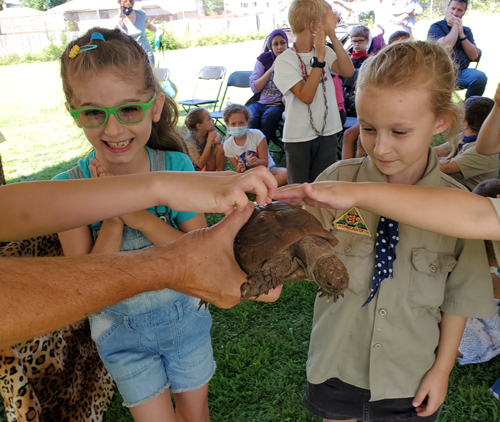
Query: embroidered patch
[352, 221]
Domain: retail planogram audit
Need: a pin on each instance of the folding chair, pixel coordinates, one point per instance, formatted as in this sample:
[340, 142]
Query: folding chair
[206, 73]
[238, 79]
[475, 67]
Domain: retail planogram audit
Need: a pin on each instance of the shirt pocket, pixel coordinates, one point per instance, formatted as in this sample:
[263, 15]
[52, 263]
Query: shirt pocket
[429, 272]
[354, 251]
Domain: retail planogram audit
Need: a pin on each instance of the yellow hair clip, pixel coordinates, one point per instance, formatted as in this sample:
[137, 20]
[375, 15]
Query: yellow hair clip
[74, 51]
[77, 50]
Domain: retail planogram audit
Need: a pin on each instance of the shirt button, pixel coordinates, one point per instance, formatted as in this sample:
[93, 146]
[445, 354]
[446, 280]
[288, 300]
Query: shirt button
[347, 248]
[377, 346]
[432, 268]
[383, 312]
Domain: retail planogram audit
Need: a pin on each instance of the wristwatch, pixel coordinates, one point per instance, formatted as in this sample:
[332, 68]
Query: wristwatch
[462, 39]
[316, 63]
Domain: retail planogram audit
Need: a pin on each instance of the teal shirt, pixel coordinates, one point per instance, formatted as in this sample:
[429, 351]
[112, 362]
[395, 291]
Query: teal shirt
[175, 161]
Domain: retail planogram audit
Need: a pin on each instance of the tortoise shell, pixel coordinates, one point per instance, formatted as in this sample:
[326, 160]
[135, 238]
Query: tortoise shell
[272, 228]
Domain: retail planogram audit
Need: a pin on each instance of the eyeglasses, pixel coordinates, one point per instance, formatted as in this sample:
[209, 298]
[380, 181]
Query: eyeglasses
[358, 41]
[127, 114]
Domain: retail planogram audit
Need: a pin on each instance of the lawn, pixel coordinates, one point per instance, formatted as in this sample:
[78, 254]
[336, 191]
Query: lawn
[260, 349]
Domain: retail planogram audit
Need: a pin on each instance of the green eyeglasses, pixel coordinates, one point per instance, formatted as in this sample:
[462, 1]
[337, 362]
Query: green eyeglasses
[127, 114]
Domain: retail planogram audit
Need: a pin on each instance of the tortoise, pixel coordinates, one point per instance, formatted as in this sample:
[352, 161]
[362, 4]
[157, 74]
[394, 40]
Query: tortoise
[283, 244]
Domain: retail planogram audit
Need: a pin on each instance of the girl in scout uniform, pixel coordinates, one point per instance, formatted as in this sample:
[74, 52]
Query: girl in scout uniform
[374, 355]
[463, 214]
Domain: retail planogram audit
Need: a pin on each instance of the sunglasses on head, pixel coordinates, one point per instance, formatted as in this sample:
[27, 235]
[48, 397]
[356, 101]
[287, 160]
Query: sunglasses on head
[127, 114]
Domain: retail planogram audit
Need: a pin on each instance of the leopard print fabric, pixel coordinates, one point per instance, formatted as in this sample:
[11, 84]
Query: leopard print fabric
[57, 377]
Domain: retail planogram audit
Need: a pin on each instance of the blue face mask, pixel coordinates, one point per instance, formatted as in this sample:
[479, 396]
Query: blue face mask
[237, 132]
[127, 11]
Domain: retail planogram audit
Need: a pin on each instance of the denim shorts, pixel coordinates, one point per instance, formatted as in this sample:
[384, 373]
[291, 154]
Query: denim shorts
[335, 399]
[154, 341]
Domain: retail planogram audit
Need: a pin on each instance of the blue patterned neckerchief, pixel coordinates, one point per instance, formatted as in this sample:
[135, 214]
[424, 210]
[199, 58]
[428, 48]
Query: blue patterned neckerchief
[385, 253]
[465, 140]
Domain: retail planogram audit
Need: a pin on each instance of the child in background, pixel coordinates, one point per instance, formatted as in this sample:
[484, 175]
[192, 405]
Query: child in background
[155, 343]
[467, 166]
[481, 339]
[399, 36]
[204, 143]
[339, 95]
[374, 351]
[312, 120]
[351, 145]
[360, 37]
[247, 148]
[488, 139]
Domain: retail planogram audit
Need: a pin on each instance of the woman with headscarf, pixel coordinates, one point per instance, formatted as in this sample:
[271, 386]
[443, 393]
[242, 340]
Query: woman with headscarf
[267, 111]
[134, 23]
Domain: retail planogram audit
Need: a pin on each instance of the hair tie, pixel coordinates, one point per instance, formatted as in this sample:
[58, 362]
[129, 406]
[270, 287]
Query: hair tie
[97, 36]
[77, 49]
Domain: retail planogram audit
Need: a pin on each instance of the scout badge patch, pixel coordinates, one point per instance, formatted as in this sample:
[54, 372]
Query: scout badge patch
[352, 221]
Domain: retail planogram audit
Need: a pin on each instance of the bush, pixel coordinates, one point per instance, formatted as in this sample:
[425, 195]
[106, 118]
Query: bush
[49, 54]
[172, 42]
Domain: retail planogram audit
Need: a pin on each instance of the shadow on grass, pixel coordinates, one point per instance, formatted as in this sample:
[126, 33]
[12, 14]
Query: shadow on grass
[46, 174]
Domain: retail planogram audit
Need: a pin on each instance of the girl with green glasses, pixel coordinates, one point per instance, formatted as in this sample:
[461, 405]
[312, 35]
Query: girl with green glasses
[155, 343]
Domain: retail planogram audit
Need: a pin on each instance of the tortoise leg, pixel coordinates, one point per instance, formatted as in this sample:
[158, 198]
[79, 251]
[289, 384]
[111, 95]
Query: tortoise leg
[271, 275]
[322, 265]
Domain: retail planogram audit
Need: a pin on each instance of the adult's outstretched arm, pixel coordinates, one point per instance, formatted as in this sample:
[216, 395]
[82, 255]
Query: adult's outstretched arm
[44, 294]
[35, 208]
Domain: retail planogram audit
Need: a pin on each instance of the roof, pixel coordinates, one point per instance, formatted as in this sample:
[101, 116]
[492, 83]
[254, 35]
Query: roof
[84, 6]
[173, 6]
[14, 12]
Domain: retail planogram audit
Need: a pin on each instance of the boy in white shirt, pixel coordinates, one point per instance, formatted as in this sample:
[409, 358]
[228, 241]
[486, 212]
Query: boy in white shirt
[300, 74]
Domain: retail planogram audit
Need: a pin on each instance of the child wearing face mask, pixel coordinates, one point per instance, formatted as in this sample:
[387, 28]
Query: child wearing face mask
[247, 148]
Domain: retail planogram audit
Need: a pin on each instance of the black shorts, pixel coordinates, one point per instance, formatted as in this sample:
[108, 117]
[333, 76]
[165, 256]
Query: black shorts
[339, 401]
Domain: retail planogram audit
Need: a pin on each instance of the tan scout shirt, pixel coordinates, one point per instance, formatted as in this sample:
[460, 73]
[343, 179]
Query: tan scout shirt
[389, 345]
[474, 167]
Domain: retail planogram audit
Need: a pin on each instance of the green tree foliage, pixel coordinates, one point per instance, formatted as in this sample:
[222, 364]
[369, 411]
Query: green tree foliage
[213, 7]
[42, 4]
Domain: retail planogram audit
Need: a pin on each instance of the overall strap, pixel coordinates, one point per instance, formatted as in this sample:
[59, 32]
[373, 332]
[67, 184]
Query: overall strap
[158, 162]
[76, 173]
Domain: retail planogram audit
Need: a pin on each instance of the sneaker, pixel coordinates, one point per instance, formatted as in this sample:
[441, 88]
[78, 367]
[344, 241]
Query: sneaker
[495, 389]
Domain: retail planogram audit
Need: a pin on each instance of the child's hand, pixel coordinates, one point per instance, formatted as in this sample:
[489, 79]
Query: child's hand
[214, 138]
[217, 138]
[497, 96]
[336, 195]
[434, 386]
[241, 167]
[331, 19]
[96, 170]
[319, 42]
[251, 159]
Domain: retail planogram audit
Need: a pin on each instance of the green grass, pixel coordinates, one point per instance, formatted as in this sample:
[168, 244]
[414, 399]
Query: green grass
[260, 349]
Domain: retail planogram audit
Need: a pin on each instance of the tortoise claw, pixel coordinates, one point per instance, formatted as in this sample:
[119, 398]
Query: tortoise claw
[203, 303]
[322, 293]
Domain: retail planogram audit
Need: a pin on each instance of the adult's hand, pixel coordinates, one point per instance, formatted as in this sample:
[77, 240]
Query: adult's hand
[451, 19]
[210, 269]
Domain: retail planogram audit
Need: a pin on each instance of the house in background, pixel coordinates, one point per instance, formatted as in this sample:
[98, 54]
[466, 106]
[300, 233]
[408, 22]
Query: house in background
[253, 7]
[82, 15]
